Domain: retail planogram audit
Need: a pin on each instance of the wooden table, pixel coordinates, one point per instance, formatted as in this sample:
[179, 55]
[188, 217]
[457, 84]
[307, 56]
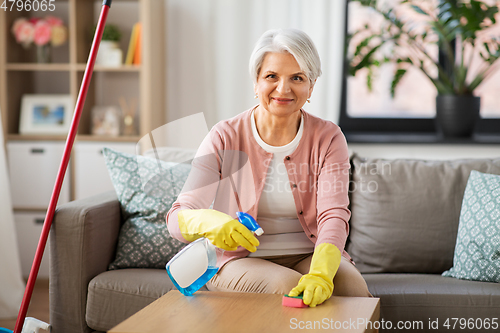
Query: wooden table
[221, 312]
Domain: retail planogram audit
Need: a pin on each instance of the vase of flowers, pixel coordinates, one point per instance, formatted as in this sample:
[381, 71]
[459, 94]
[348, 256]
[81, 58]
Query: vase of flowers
[43, 55]
[44, 33]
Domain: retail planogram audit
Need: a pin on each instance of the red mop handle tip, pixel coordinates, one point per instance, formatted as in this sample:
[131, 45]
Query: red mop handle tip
[106, 3]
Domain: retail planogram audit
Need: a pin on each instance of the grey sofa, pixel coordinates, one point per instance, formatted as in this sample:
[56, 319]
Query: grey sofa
[402, 238]
[84, 296]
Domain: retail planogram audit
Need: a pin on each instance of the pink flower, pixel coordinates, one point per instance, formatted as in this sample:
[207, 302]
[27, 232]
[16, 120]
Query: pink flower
[43, 33]
[54, 21]
[34, 20]
[17, 24]
[24, 32]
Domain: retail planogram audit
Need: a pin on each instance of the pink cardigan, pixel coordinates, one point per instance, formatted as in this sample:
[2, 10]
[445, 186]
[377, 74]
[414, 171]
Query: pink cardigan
[318, 171]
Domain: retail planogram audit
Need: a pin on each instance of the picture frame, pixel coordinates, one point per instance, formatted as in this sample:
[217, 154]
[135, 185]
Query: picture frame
[46, 114]
[106, 120]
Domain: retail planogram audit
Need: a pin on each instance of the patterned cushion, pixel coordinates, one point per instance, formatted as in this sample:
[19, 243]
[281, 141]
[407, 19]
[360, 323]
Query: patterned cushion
[477, 251]
[146, 189]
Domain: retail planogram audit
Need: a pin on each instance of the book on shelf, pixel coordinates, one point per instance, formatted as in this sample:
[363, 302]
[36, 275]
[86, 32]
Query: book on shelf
[134, 45]
[138, 46]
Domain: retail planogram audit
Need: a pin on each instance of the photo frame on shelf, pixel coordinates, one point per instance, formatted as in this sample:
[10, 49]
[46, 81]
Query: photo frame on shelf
[106, 120]
[46, 114]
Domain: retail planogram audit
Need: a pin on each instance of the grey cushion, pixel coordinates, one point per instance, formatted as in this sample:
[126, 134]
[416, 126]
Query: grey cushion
[405, 213]
[418, 297]
[116, 295]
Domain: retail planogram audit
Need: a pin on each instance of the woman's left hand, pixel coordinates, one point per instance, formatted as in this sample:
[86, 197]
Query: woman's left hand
[317, 285]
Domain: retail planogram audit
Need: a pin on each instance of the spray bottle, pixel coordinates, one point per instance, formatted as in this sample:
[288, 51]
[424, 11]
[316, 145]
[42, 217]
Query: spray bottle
[197, 263]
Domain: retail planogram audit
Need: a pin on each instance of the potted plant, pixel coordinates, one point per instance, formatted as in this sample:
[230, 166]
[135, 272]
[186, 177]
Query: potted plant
[110, 53]
[459, 28]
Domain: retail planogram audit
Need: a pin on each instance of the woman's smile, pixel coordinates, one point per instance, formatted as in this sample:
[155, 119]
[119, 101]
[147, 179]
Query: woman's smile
[282, 101]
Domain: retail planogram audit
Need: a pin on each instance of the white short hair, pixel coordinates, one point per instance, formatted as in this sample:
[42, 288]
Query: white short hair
[293, 41]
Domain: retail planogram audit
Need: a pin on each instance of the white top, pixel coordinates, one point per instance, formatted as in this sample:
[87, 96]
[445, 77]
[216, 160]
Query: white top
[277, 213]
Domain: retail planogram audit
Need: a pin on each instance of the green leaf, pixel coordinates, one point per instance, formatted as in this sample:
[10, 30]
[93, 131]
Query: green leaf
[369, 80]
[483, 56]
[442, 88]
[445, 16]
[438, 29]
[487, 48]
[419, 10]
[460, 77]
[477, 81]
[444, 6]
[366, 61]
[400, 72]
[452, 25]
[364, 43]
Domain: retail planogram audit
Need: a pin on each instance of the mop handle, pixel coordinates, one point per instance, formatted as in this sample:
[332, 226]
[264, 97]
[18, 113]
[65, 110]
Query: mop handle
[62, 167]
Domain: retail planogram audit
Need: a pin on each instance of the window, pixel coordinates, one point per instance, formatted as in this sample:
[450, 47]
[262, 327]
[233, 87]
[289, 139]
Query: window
[413, 107]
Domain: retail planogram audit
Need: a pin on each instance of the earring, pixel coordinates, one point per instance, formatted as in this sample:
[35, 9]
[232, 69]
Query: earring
[256, 96]
[308, 101]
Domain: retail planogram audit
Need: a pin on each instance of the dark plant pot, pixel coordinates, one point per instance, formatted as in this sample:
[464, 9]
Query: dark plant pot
[456, 115]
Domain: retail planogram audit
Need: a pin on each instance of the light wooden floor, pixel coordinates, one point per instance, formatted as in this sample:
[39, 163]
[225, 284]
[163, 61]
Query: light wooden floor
[39, 305]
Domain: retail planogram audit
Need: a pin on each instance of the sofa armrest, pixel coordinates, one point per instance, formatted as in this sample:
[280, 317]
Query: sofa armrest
[82, 242]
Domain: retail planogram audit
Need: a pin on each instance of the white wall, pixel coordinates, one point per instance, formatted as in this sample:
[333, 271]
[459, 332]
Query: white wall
[11, 283]
[209, 43]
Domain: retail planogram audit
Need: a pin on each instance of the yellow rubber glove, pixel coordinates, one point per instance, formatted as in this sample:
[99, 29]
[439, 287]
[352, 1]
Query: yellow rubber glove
[221, 229]
[317, 285]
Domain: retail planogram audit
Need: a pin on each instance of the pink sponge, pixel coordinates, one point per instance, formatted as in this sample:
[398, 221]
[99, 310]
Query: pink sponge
[293, 302]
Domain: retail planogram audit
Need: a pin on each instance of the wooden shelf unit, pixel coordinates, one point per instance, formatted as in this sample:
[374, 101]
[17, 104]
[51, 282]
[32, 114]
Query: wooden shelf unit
[20, 74]
[34, 159]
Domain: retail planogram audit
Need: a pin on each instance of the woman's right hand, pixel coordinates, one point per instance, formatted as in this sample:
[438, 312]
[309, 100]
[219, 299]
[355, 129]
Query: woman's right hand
[221, 229]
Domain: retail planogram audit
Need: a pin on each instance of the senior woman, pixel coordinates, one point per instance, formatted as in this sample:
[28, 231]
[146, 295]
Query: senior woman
[285, 167]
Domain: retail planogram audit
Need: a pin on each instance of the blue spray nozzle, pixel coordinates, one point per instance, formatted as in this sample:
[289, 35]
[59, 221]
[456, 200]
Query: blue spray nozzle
[248, 221]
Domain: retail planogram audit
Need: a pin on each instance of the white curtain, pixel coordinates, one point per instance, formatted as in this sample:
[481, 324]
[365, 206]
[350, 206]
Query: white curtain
[209, 44]
[11, 282]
